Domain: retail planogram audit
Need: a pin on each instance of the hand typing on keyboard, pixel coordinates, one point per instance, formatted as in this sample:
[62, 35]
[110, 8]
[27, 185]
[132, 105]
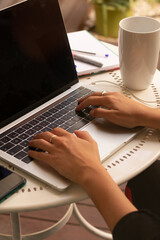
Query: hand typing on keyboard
[116, 108]
[67, 153]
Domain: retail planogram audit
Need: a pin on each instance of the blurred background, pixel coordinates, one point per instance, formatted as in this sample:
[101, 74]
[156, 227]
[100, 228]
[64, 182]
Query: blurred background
[101, 17]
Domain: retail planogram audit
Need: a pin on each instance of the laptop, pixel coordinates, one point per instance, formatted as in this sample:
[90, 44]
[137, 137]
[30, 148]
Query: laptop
[39, 88]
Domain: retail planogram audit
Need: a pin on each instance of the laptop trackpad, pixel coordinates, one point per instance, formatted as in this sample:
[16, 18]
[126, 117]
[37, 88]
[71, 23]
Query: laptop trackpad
[108, 136]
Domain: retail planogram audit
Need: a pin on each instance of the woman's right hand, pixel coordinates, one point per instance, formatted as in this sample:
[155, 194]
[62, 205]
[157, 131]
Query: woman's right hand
[118, 109]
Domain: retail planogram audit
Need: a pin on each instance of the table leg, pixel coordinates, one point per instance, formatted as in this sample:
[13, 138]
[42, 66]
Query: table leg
[88, 226]
[16, 229]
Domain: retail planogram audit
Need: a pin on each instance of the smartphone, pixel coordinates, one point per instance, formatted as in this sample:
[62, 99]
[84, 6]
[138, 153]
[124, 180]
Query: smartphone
[10, 182]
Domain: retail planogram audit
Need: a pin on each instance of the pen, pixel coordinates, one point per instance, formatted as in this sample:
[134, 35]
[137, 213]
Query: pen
[87, 60]
[91, 53]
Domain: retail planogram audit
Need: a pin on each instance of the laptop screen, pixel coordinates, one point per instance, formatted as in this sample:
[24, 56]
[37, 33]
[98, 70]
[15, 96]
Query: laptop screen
[36, 62]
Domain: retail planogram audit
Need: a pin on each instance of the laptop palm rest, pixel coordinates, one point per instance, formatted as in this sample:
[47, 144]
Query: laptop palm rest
[110, 136]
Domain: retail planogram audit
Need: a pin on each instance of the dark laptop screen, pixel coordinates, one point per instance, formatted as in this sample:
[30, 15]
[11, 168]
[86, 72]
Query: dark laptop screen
[35, 58]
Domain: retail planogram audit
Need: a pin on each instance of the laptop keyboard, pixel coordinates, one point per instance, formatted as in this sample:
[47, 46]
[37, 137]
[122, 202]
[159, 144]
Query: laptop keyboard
[63, 114]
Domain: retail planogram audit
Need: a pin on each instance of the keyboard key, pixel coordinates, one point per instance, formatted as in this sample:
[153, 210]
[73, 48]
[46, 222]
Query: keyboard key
[74, 104]
[27, 159]
[51, 126]
[7, 146]
[72, 99]
[46, 114]
[27, 126]
[20, 155]
[30, 132]
[23, 136]
[78, 90]
[40, 118]
[5, 139]
[19, 130]
[51, 119]
[78, 95]
[44, 123]
[70, 122]
[57, 115]
[29, 138]
[69, 107]
[59, 122]
[66, 102]
[13, 135]
[47, 129]
[16, 140]
[86, 91]
[60, 106]
[24, 143]
[33, 122]
[72, 113]
[64, 126]
[53, 110]
[63, 111]
[77, 126]
[66, 117]
[76, 118]
[37, 128]
[15, 150]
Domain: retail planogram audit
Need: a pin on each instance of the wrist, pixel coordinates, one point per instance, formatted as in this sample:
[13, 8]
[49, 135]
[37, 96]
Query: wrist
[151, 118]
[90, 175]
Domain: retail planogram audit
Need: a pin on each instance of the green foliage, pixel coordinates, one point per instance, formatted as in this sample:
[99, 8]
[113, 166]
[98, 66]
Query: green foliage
[118, 4]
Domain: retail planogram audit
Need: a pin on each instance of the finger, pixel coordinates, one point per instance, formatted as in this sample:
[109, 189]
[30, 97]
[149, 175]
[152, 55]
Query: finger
[84, 135]
[47, 136]
[100, 112]
[42, 156]
[59, 131]
[42, 144]
[93, 94]
[92, 100]
[110, 115]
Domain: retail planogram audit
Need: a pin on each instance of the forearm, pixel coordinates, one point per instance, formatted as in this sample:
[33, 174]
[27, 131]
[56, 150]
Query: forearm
[107, 196]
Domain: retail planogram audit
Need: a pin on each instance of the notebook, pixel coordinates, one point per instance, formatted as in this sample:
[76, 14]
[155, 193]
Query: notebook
[87, 46]
[40, 88]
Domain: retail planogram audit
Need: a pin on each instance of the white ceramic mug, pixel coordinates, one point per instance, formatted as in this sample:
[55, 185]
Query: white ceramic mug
[139, 45]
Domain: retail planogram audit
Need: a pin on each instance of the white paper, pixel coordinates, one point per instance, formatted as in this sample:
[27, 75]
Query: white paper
[84, 41]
